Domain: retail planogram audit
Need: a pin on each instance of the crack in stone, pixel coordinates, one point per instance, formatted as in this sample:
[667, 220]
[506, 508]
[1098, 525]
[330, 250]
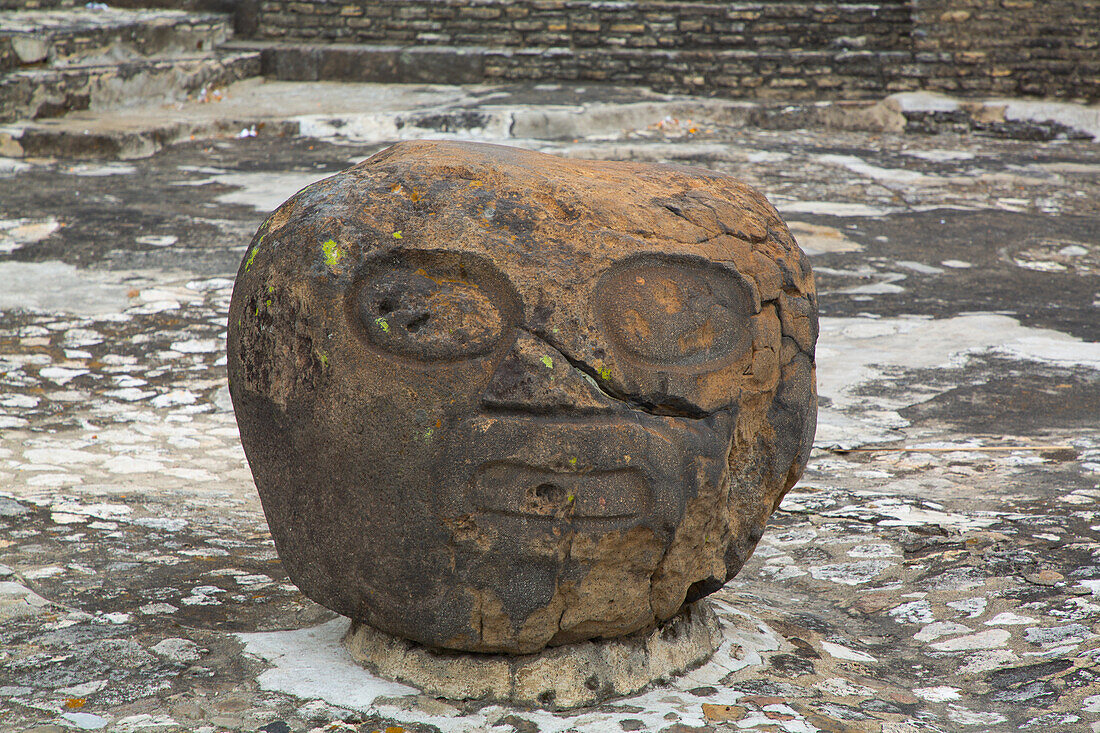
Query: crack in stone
[711, 235]
[670, 406]
[565, 559]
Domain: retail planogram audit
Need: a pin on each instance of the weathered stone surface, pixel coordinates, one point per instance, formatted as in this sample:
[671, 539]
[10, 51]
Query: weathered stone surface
[921, 363]
[54, 61]
[567, 676]
[18, 600]
[495, 400]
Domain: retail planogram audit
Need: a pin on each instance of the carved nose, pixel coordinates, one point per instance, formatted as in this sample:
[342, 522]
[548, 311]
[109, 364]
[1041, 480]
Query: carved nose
[536, 377]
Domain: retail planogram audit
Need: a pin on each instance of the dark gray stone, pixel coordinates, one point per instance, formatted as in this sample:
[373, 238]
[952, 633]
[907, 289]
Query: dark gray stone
[495, 400]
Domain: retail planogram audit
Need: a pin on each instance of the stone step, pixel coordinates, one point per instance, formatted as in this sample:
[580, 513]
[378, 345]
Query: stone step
[39, 4]
[52, 91]
[87, 36]
[355, 62]
[639, 124]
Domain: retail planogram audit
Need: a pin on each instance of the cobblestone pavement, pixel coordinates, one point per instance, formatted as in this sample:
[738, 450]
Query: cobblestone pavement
[938, 568]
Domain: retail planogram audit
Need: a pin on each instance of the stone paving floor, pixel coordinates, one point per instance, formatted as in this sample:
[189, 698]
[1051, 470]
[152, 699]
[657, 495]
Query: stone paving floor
[937, 569]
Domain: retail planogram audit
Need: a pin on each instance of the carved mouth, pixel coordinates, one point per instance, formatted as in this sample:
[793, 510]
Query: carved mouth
[521, 490]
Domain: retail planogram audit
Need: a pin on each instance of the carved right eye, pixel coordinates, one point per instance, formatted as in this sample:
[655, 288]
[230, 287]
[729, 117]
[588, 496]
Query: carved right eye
[432, 309]
[671, 313]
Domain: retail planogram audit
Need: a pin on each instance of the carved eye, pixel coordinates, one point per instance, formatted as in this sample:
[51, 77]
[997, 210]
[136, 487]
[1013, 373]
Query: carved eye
[675, 314]
[433, 307]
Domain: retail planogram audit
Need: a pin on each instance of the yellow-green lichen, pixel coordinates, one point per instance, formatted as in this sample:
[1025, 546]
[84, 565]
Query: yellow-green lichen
[383, 324]
[547, 362]
[323, 358]
[397, 234]
[252, 255]
[332, 253]
[605, 374]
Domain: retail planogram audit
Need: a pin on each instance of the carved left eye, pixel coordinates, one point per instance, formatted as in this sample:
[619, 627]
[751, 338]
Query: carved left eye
[677, 314]
[433, 308]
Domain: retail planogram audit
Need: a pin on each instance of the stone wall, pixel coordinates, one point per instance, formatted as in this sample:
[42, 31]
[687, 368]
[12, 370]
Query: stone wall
[758, 49]
[578, 24]
[768, 48]
[1010, 47]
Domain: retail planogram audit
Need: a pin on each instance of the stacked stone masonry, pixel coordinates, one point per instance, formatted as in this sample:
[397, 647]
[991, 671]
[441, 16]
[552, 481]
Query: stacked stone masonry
[748, 49]
[583, 25]
[1010, 47]
[793, 49]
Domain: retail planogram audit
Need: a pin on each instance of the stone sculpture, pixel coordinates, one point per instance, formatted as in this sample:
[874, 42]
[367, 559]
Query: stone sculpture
[495, 400]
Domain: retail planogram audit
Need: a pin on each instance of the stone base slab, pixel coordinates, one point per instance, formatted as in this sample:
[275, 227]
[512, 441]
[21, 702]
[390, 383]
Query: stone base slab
[558, 678]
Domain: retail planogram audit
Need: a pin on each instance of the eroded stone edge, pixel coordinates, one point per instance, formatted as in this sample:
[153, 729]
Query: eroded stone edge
[558, 678]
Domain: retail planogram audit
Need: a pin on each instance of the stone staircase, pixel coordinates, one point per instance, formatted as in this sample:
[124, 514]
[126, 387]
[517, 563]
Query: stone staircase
[58, 59]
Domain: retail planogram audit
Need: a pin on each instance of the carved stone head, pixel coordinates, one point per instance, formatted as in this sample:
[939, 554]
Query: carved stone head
[495, 399]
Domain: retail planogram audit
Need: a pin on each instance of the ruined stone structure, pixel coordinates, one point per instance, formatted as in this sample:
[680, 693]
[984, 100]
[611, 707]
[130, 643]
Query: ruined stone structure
[765, 48]
[495, 400]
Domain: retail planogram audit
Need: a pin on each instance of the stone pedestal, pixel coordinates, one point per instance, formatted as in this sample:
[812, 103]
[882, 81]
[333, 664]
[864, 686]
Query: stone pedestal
[557, 678]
